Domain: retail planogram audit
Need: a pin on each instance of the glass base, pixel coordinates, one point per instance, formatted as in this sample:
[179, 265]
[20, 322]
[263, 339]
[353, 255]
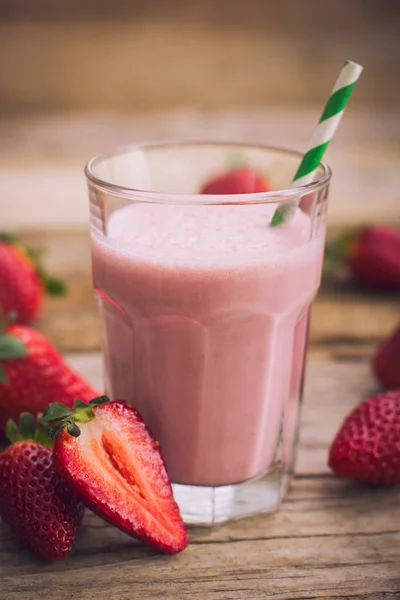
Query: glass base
[200, 505]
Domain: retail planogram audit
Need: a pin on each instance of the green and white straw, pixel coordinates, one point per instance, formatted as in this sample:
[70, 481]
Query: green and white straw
[327, 125]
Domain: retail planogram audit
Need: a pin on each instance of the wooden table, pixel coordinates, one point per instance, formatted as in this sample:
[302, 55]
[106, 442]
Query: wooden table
[331, 539]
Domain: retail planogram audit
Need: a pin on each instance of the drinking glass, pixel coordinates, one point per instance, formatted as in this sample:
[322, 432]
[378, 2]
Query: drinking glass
[205, 312]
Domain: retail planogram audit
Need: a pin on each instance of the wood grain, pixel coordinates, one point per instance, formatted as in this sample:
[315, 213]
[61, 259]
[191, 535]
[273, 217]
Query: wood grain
[331, 539]
[256, 13]
[359, 566]
[146, 55]
[42, 159]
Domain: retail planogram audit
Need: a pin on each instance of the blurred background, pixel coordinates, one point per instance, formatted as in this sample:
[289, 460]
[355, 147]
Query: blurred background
[150, 55]
[77, 76]
[80, 76]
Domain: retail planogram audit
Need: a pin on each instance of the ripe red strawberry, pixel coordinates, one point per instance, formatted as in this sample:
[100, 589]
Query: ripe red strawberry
[113, 462]
[386, 362]
[33, 374]
[23, 281]
[367, 446]
[374, 259]
[241, 180]
[371, 255]
[35, 502]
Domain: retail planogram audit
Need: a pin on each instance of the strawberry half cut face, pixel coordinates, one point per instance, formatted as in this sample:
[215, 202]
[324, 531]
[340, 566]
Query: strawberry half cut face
[116, 469]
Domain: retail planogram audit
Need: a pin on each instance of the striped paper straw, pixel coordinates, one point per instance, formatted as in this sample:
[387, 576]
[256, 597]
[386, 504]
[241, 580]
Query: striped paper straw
[327, 125]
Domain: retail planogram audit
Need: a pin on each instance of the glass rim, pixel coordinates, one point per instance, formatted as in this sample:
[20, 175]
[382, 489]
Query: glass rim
[182, 198]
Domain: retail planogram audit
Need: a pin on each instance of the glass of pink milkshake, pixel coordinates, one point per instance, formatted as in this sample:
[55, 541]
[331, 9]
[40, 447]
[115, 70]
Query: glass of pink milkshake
[205, 312]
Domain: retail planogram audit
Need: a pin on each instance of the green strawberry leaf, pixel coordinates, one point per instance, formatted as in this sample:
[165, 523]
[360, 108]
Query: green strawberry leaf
[73, 429]
[56, 411]
[54, 286]
[7, 238]
[68, 417]
[54, 431]
[28, 430]
[99, 400]
[27, 425]
[79, 404]
[12, 432]
[11, 347]
[42, 432]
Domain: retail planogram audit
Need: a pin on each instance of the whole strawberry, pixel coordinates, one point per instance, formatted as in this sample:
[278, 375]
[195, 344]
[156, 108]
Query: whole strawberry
[113, 462]
[23, 281]
[241, 180]
[36, 504]
[386, 362]
[374, 259]
[33, 374]
[371, 257]
[367, 446]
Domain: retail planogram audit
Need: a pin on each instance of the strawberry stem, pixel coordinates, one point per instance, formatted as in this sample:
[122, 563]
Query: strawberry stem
[60, 416]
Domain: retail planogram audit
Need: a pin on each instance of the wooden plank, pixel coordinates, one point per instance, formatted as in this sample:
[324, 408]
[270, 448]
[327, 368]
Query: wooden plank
[42, 159]
[349, 315]
[332, 507]
[329, 567]
[66, 140]
[242, 55]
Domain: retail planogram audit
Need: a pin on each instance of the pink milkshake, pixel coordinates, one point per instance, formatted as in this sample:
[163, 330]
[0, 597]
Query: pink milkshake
[205, 312]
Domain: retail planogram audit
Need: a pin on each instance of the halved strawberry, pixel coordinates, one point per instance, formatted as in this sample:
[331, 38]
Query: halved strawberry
[113, 463]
